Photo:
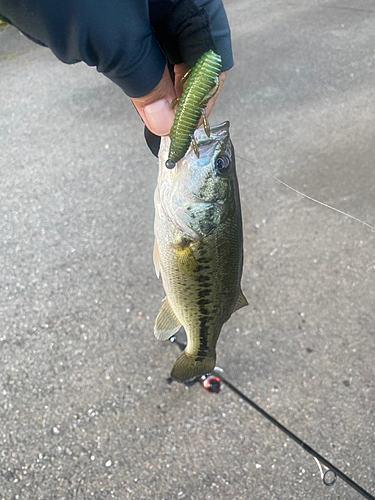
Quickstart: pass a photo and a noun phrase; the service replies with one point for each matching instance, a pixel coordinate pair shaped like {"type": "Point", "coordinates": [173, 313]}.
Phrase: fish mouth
{"type": "Point", "coordinates": [192, 206]}
{"type": "Point", "coordinates": [214, 144]}
{"type": "Point", "coordinates": [217, 133]}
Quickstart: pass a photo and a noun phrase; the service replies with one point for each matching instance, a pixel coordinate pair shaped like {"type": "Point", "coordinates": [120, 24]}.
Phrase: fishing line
{"type": "Point", "coordinates": [323, 204]}
{"type": "Point", "coordinates": [316, 201]}
{"type": "Point", "coordinates": [329, 468]}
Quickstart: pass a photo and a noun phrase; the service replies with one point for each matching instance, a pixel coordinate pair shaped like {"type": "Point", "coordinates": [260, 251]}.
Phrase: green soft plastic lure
{"type": "Point", "coordinates": [202, 84]}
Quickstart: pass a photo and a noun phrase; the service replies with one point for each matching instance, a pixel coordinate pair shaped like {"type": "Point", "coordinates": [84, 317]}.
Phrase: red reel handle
{"type": "Point", "coordinates": [211, 383]}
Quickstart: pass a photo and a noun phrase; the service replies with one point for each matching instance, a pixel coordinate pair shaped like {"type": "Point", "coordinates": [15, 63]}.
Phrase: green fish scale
{"type": "Point", "coordinates": [209, 295]}
{"type": "Point", "coordinates": [201, 80]}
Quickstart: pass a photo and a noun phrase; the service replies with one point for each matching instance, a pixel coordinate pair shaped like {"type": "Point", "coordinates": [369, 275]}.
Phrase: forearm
{"type": "Point", "coordinates": [115, 36]}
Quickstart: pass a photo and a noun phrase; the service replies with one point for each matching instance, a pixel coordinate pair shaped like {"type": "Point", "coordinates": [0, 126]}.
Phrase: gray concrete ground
{"type": "Point", "coordinates": [86, 412]}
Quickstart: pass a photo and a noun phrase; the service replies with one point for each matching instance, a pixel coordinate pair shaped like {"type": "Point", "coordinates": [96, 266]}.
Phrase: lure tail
{"type": "Point", "coordinates": [189, 366]}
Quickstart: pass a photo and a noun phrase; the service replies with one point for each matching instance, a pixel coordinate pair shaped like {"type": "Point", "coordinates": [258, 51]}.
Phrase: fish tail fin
{"type": "Point", "coordinates": [189, 366]}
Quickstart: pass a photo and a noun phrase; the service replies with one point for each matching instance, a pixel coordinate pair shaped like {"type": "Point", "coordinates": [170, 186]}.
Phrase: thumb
{"type": "Point", "coordinates": [155, 107]}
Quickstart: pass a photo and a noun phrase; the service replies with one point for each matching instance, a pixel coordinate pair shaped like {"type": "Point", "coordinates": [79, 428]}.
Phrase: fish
{"type": "Point", "coordinates": [198, 250]}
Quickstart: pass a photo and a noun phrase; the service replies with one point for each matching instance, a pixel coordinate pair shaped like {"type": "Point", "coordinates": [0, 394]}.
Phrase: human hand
{"type": "Point", "coordinates": [155, 107]}
{"type": "Point", "coordinates": [132, 42]}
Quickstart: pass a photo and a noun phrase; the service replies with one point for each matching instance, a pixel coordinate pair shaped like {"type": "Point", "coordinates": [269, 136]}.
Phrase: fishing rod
{"type": "Point", "coordinates": [212, 383]}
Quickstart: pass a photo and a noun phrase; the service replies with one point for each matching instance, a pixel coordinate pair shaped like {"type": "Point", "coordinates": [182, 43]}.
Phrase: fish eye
{"type": "Point", "coordinates": [221, 164]}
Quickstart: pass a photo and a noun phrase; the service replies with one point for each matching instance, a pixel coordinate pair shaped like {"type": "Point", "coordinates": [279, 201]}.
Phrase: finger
{"type": "Point", "coordinates": [190, 28]}
{"type": "Point", "coordinates": [155, 107]}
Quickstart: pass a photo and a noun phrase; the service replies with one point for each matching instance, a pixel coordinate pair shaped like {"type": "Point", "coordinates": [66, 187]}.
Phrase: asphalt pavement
{"type": "Point", "coordinates": [85, 408]}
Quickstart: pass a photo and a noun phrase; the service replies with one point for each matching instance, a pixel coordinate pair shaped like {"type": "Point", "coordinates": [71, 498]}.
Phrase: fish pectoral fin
{"type": "Point", "coordinates": [185, 259]}
{"type": "Point", "coordinates": [241, 302]}
{"type": "Point", "coordinates": [166, 324]}
{"type": "Point", "coordinates": [156, 258]}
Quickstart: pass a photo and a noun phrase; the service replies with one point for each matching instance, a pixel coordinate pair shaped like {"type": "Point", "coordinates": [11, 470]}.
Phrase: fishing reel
{"type": "Point", "coordinates": [210, 382]}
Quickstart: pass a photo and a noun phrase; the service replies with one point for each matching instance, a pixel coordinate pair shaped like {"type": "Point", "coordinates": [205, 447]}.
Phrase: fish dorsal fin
{"type": "Point", "coordinates": [241, 302]}
{"type": "Point", "coordinates": [156, 258]}
{"type": "Point", "coordinates": [166, 324]}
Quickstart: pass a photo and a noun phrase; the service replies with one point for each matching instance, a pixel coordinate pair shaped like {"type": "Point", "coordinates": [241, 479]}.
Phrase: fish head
{"type": "Point", "coordinates": [199, 193]}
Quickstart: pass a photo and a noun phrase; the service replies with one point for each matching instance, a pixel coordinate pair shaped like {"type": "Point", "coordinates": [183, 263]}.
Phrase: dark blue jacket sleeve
{"type": "Point", "coordinates": [220, 30]}
{"type": "Point", "coordinates": [115, 36]}
{"type": "Point", "coordinates": [119, 37]}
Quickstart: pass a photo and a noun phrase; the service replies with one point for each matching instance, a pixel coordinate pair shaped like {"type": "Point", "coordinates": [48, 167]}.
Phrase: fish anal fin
{"type": "Point", "coordinates": [166, 324]}
{"type": "Point", "coordinates": [241, 302]}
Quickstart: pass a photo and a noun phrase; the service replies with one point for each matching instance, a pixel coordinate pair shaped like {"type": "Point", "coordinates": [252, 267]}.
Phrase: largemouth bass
{"type": "Point", "coordinates": [198, 248]}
